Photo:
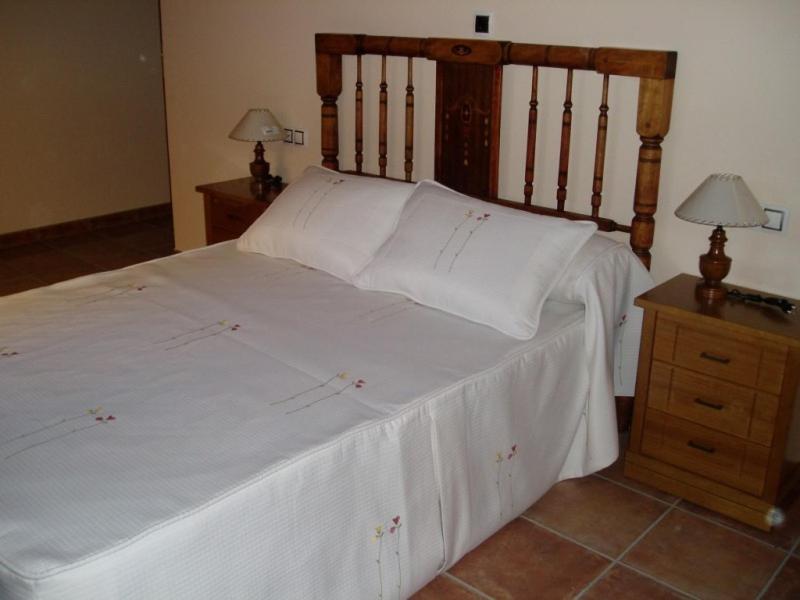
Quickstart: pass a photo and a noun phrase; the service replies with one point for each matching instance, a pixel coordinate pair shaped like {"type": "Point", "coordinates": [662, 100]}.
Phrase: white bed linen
{"type": "Point", "coordinates": [238, 464]}
{"type": "Point", "coordinates": [487, 263]}
{"type": "Point", "coordinates": [606, 285]}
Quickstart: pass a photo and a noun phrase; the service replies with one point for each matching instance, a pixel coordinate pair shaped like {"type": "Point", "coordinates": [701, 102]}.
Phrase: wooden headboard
{"type": "Point", "coordinates": [468, 97]}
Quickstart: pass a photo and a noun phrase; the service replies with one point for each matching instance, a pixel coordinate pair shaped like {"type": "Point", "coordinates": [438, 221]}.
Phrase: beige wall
{"type": "Point", "coordinates": [735, 103]}
{"type": "Point", "coordinates": [82, 129]}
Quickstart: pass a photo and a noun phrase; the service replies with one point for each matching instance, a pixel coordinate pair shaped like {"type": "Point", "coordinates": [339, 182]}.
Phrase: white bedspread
{"type": "Point", "coordinates": [222, 425]}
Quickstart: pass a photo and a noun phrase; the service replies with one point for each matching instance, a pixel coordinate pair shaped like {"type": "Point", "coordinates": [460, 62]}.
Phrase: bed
{"type": "Point", "coordinates": [225, 424]}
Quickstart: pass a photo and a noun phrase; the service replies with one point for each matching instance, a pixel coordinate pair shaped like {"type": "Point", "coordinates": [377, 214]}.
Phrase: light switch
{"type": "Point", "coordinates": [482, 23]}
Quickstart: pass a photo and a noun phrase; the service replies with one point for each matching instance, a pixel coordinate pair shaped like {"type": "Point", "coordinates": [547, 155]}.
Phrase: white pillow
{"type": "Point", "coordinates": [484, 262]}
{"type": "Point", "coordinates": [329, 220]}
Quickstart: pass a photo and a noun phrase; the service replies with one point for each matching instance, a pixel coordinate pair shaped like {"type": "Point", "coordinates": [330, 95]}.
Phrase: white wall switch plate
{"type": "Point", "coordinates": [299, 137]}
{"type": "Point", "coordinates": [482, 23]}
{"type": "Point", "coordinates": [288, 135]}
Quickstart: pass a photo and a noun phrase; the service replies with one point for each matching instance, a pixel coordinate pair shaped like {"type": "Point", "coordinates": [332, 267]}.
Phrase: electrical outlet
{"type": "Point", "coordinates": [299, 137]}
{"type": "Point", "coordinates": [288, 136]}
{"type": "Point", "coordinates": [778, 218]}
{"type": "Point", "coordinates": [482, 23]}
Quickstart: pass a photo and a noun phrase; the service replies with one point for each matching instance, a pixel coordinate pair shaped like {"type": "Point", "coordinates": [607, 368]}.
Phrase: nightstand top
{"type": "Point", "coordinates": [243, 190]}
{"type": "Point", "coordinates": [678, 296]}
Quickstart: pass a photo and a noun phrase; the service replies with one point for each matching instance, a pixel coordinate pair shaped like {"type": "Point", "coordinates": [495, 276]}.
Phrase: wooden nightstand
{"type": "Point", "coordinates": [713, 418]}
{"type": "Point", "coordinates": [232, 206]}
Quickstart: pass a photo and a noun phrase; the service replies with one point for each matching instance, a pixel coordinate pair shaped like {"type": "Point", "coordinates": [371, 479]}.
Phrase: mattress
{"type": "Point", "coordinates": [217, 424]}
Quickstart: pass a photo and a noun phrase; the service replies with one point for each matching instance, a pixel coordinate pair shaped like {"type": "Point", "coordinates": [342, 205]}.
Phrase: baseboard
{"type": "Point", "coordinates": [27, 236]}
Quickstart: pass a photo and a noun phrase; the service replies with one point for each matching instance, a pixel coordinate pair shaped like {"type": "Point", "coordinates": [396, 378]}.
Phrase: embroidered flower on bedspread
{"type": "Point", "coordinates": [386, 311]}
{"type": "Point", "coordinates": [197, 334]}
{"type": "Point", "coordinates": [113, 292]}
{"type": "Point", "coordinates": [356, 383]}
{"type": "Point", "coordinates": [394, 529]}
{"type": "Point", "coordinates": [499, 459]}
{"type": "Point", "coordinates": [379, 536]}
{"type": "Point", "coordinates": [92, 414]}
{"type": "Point", "coordinates": [510, 456]}
{"type": "Point", "coordinates": [6, 352]}
{"type": "Point", "coordinates": [620, 335]}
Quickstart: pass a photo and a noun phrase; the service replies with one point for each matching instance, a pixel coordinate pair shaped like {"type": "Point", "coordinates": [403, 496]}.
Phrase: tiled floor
{"type": "Point", "coordinates": [42, 263]}
{"type": "Point", "coordinates": [600, 537]}
{"type": "Point", "coordinates": [607, 537]}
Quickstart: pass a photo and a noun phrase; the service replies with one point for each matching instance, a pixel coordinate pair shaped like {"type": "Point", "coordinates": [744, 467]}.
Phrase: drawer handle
{"type": "Point", "coordinates": [708, 404]}
{"type": "Point", "coordinates": [720, 359]}
{"type": "Point", "coordinates": [702, 447]}
{"type": "Point", "coordinates": [233, 216]}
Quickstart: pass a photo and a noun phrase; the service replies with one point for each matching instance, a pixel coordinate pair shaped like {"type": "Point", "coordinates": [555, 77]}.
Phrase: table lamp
{"type": "Point", "coordinates": [722, 200]}
{"type": "Point", "coordinates": [258, 125]}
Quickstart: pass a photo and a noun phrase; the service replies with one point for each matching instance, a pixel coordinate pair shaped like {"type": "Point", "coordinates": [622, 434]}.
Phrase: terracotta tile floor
{"type": "Point", "coordinates": [607, 537]}
{"type": "Point", "coordinates": [42, 263]}
{"type": "Point", "coordinates": [600, 537]}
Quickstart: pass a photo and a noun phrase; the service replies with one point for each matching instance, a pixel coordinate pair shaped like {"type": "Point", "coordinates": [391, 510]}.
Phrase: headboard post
{"type": "Point", "coordinates": [652, 125]}
{"type": "Point", "coordinates": [329, 86]}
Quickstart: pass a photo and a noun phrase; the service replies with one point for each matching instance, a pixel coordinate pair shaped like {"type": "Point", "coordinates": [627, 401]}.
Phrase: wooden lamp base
{"type": "Point", "coordinates": [714, 266]}
{"type": "Point", "coordinates": [259, 168]}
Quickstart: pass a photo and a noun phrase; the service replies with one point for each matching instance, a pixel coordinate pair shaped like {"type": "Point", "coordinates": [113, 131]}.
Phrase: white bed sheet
{"type": "Point", "coordinates": [217, 424]}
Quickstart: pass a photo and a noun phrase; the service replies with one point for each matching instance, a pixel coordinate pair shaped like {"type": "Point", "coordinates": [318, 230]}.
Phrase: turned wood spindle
{"type": "Point", "coordinates": [645, 196]}
{"type": "Point", "coordinates": [329, 86]}
{"type": "Point", "coordinates": [563, 158]}
{"type": "Point", "coordinates": [409, 149]}
{"type": "Point", "coordinates": [383, 98]}
{"type": "Point", "coordinates": [530, 153]}
{"type": "Point", "coordinates": [600, 151]}
{"type": "Point", "coordinates": [359, 117]}
{"type": "Point", "coordinates": [652, 124]}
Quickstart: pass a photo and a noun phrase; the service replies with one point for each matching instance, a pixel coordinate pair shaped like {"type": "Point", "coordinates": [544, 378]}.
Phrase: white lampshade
{"type": "Point", "coordinates": [258, 125]}
{"type": "Point", "coordinates": [722, 199]}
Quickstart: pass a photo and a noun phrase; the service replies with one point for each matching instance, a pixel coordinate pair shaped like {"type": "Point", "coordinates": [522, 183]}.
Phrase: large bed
{"type": "Point", "coordinates": [225, 424]}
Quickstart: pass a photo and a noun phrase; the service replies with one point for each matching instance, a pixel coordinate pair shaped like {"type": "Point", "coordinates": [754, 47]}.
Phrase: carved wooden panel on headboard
{"type": "Point", "coordinates": [468, 124]}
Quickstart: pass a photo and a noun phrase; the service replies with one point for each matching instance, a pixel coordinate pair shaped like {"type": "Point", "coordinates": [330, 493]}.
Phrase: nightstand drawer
{"type": "Point", "coordinates": [234, 217]}
{"type": "Point", "coordinates": [745, 360]}
{"type": "Point", "coordinates": [714, 455]}
{"type": "Point", "coordinates": [230, 207]}
{"type": "Point", "coordinates": [726, 407]}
